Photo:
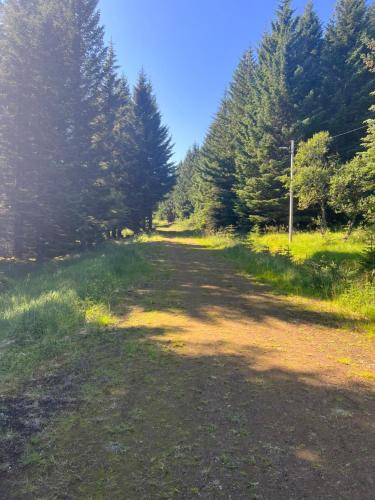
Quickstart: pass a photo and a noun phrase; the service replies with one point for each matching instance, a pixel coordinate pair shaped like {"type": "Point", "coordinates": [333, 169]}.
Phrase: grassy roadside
{"type": "Point", "coordinates": [60, 344]}
{"type": "Point", "coordinates": [43, 307]}
{"type": "Point", "coordinates": [324, 271]}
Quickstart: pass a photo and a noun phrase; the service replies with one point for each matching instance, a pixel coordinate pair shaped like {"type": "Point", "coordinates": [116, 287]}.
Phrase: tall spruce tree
{"type": "Point", "coordinates": [285, 105]}
{"type": "Point", "coordinates": [243, 94]}
{"type": "Point", "coordinates": [217, 169]}
{"type": "Point", "coordinates": [113, 101]}
{"type": "Point", "coordinates": [182, 194]}
{"type": "Point", "coordinates": [346, 82]}
{"type": "Point", "coordinates": [86, 55]}
{"type": "Point", "coordinates": [126, 178]}
{"type": "Point", "coordinates": [154, 148]}
{"type": "Point", "coordinates": [264, 193]}
{"type": "Point", "coordinates": [32, 107]}
{"type": "Point", "coordinates": [306, 77]}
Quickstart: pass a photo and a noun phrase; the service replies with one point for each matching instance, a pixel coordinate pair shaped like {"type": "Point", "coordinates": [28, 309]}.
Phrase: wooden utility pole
{"type": "Point", "coordinates": [291, 201]}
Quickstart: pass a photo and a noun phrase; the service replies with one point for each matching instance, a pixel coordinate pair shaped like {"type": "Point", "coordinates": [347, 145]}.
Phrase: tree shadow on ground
{"type": "Point", "coordinates": [198, 283]}
{"type": "Point", "coordinates": [186, 233]}
{"type": "Point", "coordinates": [164, 424]}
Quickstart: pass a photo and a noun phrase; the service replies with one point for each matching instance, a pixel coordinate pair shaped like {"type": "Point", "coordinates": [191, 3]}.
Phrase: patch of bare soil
{"type": "Point", "coordinates": [28, 413]}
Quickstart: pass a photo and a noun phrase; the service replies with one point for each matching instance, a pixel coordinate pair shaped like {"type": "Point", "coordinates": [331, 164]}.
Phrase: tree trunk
{"type": "Point", "coordinates": [150, 223]}
{"type": "Point", "coordinates": [18, 242]}
{"type": "Point", "coordinates": [350, 228]}
{"type": "Point", "coordinates": [40, 250]}
{"type": "Point", "coordinates": [324, 219]}
{"type": "Point", "coordinates": [119, 234]}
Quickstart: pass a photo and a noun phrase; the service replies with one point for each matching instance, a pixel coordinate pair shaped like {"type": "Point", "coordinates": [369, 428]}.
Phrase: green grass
{"type": "Point", "coordinates": [314, 266]}
{"type": "Point", "coordinates": [44, 307]}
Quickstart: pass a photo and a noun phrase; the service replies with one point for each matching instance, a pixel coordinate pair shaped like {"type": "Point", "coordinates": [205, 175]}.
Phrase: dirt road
{"type": "Point", "coordinates": [228, 392]}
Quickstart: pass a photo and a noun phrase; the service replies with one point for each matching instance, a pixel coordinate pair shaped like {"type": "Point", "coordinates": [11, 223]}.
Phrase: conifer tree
{"type": "Point", "coordinates": [263, 193]}
{"type": "Point", "coordinates": [346, 83]}
{"type": "Point", "coordinates": [243, 106]}
{"type": "Point", "coordinates": [126, 179]}
{"type": "Point", "coordinates": [241, 93]}
{"type": "Point", "coordinates": [217, 169]}
{"type": "Point", "coordinates": [285, 104]}
{"type": "Point", "coordinates": [306, 79]}
{"type": "Point", "coordinates": [182, 194]}
{"type": "Point", "coordinates": [155, 171]}
{"type": "Point", "coordinates": [32, 107]}
{"type": "Point", "coordinates": [87, 54]}
{"type": "Point", "coordinates": [113, 101]}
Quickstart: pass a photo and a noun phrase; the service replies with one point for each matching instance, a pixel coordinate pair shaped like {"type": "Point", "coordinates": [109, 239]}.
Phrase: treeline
{"type": "Point", "coordinates": [302, 80]}
{"type": "Point", "coordinates": [81, 157]}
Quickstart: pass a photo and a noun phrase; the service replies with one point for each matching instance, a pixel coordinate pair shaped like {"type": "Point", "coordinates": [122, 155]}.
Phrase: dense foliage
{"type": "Point", "coordinates": [302, 81]}
{"type": "Point", "coordinates": [80, 157]}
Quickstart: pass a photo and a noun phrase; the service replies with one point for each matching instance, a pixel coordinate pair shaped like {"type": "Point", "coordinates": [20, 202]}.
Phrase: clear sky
{"type": "Point", "coordinates": [189, 48]}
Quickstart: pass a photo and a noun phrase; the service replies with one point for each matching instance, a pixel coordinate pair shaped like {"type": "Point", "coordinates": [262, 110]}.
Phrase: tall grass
{"type": "Point", "coordinates": [323, 267]}
{"type": "Point", "coordinates": [43, 307]}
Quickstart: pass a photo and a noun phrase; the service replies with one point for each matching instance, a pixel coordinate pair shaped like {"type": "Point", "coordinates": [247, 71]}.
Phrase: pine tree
{"type": "Point", "coordinates": [306, 78]}
{"type": "Point", "coordinates": [243, 102]}
{"type": "Point", "coordinates": [32, 107]}
{"type": "Point", "coordinates": [264, 192]}
{"type": "Point", "coordinates": [182, 195]}
{"type": "Point", "coordinates": [86, 56]}
{"type": "Point", "coordinates": [113, 98]}
{"type": "Point", "coordinates": [217, 170]}
{"type": "Point", "coordinates": [241, 93]}
{"type": "Point", "coordinates": [155, 171]}
{"type": "Point", "coordinates": [126, 181]}
{"type": "Point", "coordinates": [285, 105]}
{"type": "Point", "coordinates": [346, 83]}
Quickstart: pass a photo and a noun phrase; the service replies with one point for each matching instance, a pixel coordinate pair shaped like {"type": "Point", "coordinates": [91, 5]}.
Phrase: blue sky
{"type": "Point", "coordinates": [189, 48]}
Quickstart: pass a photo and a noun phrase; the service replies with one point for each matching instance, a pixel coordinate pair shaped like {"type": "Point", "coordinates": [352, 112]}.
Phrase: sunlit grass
{"type": "Point", "coordinates": [324, 268]}
{"type": "Point", "coordinates": [45, 306]}
{"type": "Point", "coordinates": [307, 245]}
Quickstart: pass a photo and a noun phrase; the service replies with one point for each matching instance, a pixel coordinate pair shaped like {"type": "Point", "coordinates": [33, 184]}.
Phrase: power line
{"type": "Point", "coordinates": [349, 131]}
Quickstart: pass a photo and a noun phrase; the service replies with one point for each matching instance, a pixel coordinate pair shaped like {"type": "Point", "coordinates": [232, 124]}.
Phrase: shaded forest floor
{"type": "Point", "coordinates": [208, 386]}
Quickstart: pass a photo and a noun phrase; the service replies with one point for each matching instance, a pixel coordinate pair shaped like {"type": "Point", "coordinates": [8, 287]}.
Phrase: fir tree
{"type": "Point", "coordinates": [182, 195]}
{"type": "Point", "coordinates": [243, 103]}
{"type": "Point", "coordinates": [86, 56]}
{"type": "Point", "coordinates": [217, 170]}
{"type": "Point", "coordinates": [107, 143]}
{"type": "Point", "coordinates": [32, 107]}
{"type": "Point", "coordinates": [127, 179]}
{"type": "Point", "coordinates": [346, 83]}
{"type": "Point", "coordinates": [264, 193]}
{"type": "Point", "coordinates": [155, 173]}
{"type": "Point", "coordinates": [306, 80]}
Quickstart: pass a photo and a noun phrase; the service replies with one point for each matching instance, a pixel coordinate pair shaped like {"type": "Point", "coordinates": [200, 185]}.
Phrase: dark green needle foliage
{"type": "Point", "coordinates": [302, 80]}
{"type": "Point", "coordinates": [79, 158]}
{"type": "Point", "coordinates": [155, 173]}
{"type": "Point", "coordinates": [346, 82]}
